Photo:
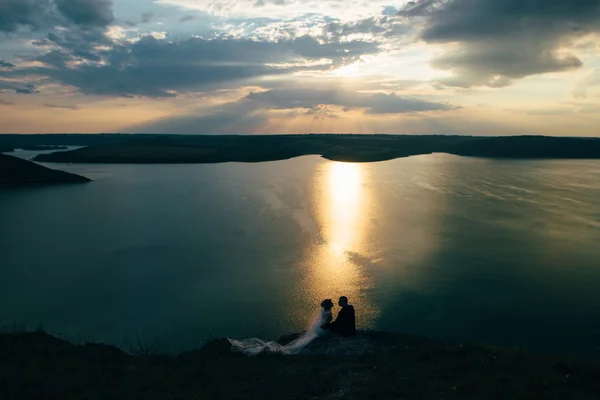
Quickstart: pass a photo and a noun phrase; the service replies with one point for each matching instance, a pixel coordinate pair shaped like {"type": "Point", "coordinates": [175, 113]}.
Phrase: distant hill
{"type": "Point", "coordinates": [530, 147]}
{"type": "Point", "coordinates": [255, 148]}
{"type": "Point", "coordinates": [22, 141]}
{"type": "Point", "coordinates": [5, 147]}
{"type": "Point", "coordinates": [16, 171]}
{"type": "Point", "coordinates": [351, 148]}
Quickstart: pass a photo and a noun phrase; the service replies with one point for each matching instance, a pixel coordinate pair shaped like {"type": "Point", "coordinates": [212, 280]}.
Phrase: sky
{"type": "Point", "coordinates": [474, 67]}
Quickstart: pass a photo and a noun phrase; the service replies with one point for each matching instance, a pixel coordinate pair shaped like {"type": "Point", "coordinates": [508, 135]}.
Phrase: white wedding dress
{"type": "Point", "coordinates": [254, 346]}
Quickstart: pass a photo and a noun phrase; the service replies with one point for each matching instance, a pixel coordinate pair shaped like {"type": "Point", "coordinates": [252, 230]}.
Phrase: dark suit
{"type": "Point", "coordinates": [345, 323]}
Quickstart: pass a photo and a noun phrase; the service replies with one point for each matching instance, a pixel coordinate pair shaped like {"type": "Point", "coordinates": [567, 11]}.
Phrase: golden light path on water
{"type": "Point", "coordinates": [341, 209]}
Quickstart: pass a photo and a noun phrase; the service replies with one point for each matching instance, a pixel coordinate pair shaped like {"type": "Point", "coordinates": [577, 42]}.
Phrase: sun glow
{"type": "Point", "coordinates": [335, 265]}
{"type": "Point", "coordinates": [344, 186]}
{"type": "Point", "coordinates": [347, 70]}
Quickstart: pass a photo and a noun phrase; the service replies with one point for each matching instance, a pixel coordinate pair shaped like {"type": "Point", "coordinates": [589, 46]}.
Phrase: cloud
{"type": "Point", "coordinates": [153, 67]}
{"type": "Point", "coordinates": [373, 103]}
{"type": "Point", "coordinates": [589, 109]}
{"type": "Point", "coordinates": [593, 78]}
{"type": "Point", "coordinates": [147, 17]}
{"type": "Point", "coordinates": [252, 113]}
{"type": "Point", "coordinates": [27, 89]}
{"type": "Point", "coordinates": [6, 65]}
{"type": "Point", "coordinates": [342, 9]}
{"type": "Point", "coordinates": [6, 102]}
{"type": "Point", "coordinates": [87, 12]}
{"type": "Point", "coordinates": [568, 108]}
{"type": "Point", "coordinates": [495, 42]}
{"type": "Point", "coordinates": [17, 86]}
{"type": "Point", "coordinates": [111, 61]}
{"type": "Point", "coordinates": [68, 107]}
{"type": "Point", "coordinates": [16, 13]}
{"type": "Point", "coordinates": [37, 14]}
{"type": "Point", "coordinates": [548, 111]}
{"type": "Point", "coordinates": [187, 18]}
{"type": "Point", "coordinates": [380, 26]}
{"type": "Point", "coordinates": [581, 88]}
{"type": "Point", "coordinates": [232, 118]}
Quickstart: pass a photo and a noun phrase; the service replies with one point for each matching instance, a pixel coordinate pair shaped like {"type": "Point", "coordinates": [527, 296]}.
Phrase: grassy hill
{"type": "Point", "coordinates": [374, 365]}
{"type": "Point", "coordinates": [16, 171]}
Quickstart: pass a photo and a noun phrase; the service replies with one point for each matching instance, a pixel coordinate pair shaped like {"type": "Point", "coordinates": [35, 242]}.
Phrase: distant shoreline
{"type": "Point", "coordinates": [178, 149]}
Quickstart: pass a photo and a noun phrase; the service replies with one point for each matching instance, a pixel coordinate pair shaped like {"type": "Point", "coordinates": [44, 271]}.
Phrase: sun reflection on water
{"type": "Point", "coordinates": [341, 210]}
{"type": "Point", "coordinates": [342, 207]}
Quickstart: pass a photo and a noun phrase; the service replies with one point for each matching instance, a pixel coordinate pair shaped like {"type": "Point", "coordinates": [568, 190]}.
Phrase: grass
{"type": "Point", "coordinates": [374, 365]}
{"type": "Point", "coordinates": [142, 346]}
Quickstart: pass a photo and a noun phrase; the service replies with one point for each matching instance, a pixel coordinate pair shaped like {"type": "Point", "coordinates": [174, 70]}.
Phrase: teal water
{"type": "Point", "coordinates": [467, 249]}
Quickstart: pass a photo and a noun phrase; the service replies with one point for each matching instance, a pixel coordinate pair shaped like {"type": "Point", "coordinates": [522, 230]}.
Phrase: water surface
{"type": "Point", "coordinates": [468, 249]}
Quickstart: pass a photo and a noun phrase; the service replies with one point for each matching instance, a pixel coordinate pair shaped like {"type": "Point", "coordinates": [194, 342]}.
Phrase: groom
{"type": "Point", "coordinates": [345, 323]}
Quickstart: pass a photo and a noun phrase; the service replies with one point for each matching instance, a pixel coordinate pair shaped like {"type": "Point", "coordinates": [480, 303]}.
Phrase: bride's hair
{"type": "Point", "coordinates": [327, 303]}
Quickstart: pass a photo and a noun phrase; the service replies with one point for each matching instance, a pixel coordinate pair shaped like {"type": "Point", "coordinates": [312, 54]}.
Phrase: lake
{"type": "Point", "coordinates": [505, 252]}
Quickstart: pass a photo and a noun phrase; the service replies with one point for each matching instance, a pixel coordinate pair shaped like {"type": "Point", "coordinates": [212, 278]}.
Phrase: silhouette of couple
{"type": "Point", "coordinates": [345, 323]}
{"type": "Point", "coordinates": [322, 323]}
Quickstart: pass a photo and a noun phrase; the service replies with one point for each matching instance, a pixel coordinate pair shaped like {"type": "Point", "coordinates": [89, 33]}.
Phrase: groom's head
{"type": "Point", "coordinates": [343, 302]}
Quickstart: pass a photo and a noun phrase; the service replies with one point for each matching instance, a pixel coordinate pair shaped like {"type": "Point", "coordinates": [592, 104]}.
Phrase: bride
{"type": "Point", "coordinates": [252, 347]}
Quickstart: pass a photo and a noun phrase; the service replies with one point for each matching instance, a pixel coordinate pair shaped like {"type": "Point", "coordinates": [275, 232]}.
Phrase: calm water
{"type": "Point", "coordinates": [503, 252]}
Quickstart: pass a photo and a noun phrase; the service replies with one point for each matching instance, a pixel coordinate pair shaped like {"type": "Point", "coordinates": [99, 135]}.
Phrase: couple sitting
{"type": "Point", "coordinates": [345, 323]}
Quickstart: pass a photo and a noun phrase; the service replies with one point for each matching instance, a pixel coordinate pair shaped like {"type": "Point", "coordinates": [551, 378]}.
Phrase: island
{"type": "Point", "coordinates": [168, 149]}
{"type": "Point", "coordinates": [372, 365]}
{"type": "Point", "coordinates": [16, 171]}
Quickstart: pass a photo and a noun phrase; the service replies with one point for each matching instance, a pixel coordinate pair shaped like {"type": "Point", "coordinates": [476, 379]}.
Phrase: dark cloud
{"type": "Point", "coordinates": [187, 18]}
{"type": "Point", "coordinates": [323, 111]}
{"type": "Point", "coordinates": [54, 58]}
{"type": "Point", "coordinates": [38, 14]}
{"type": "Point", "coordinates": [500, 41]}
{"type": "Point", "coordinates": [87, 12]}
{"type": "Point", "coordinates": [50, 105]}
{"type": "Point", "coordinates": [147, 17]}
{"type": "Point", "coordinates": [161, 68]}
{"type": "Point", "coordinates": [27, 89]}
{"type": "Point", "coordinates": [76, 44]}
{"type": "Point", "coordinates": [11, 86]}
{"type": "Point", "coordinates": [17, 13]}
{"type": "Point", "coordinates": [373, 103]}
{"type": "Point", "coordinates": [7, 65]}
